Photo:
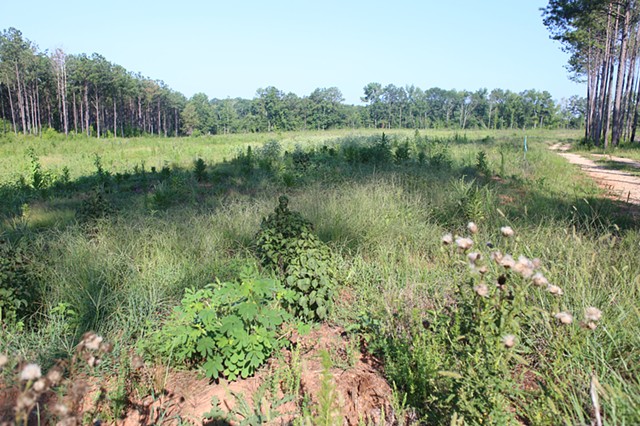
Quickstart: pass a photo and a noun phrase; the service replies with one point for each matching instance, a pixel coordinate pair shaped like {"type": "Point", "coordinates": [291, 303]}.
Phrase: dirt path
{"type": "Point", "coordinates": [620, 185]}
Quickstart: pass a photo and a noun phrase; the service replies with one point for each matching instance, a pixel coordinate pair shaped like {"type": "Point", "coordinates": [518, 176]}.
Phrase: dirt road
{"type": "Point", "coordinates": [620, 185]}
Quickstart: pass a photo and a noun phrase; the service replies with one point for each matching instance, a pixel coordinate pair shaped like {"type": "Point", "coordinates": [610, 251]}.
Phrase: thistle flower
{"type": "Point", "coordinates": [474, 257]}
{"type": "Point", "coordinates": [555, 290]}
{"type": "Point", "coordinates": [524, 267]}
{"type": "Point", "coordinates": [472, 227]}
{"type": "Point", "coordinates": [481, 290]}
{"type": "Point", "coordinates": [447, 239]}
{"type": "Point", "coordinates": [592, 314]}
{"type": "Point", "coordinates": [507, 231]}
{"type": "Point", "coordinates": [91, 341]}
{"type": "Point", "coordinates": [496, 256]}
{"type": "Point", "coordinates": [30, 372]}
{"type": "Point", "coordinates": [464, 244]}
{"type": "Point", "coordinates": [3, 360]}
{"type": "Point", "coordinates": [40, 385]}
{"type": "Point", "coordinates": [54, 376]}
{"type": "Point", "coordinates": [507, 261]}
{"type": "Point", "coordinates": [536, 263]}
{"type": "Point", "coordinates": [564, 317]}
{"type": "Point", "coordinates": [591, 325]}
{"type": "Point", "coordinates": [539, 280]}
{"type": "Point", "coordinates": [509, 340]}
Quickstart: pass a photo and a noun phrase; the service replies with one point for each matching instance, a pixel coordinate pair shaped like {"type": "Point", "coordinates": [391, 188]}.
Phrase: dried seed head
{"type": "Point", "coordinates": [524, 267]}
{"type": "Point", "coordinates": [472, 227]}
{"type": "Point", "coordinates": [91, 341]}
{"type": "Point", "coordinates": [481, 290]}
{"type": "Point", "coordinates": [507, 231]}
{"type": "Point", "coordinates": [61, 410]}
{"type": "Point", "coordinates": [137, 362]}
{"type": "Point", "coordinates": [40, 385]}
{"type": "Point", "coordinates": [54, 376]}
{"type": "Point", "coordinates": [30, 372]}
{"type": "Point", "coordinates": [464, 244]}
{"type": "Point", "coordinates": [555, 290]}
{"type": "Point", "coordinates": [496, 256]}
{"type": "Point", "coordinates": [592, 314]}
{"type": "Point", "coordinates": [536, 263]}
{"type": "Point", "coordinates": [509, 340]}
{"type": "Point", "coordinates": [474, 257]}
{"type": "Point", "coordinates": [539, 280]}
{"type": "Point", "coordinates": [25, 401]}
{"type": "Point", "coordinates": [483, 269]}
{"type": "Point", "coordinates": [507, 261]}
{"type": "Point", "coordinates": [3, 360]}
{"type": "Point", "coordinates": [591, 325]}
{"type": "Point", "coordinates": [447, 239]}
{"type": "Point", "coordinates": [564, 317]}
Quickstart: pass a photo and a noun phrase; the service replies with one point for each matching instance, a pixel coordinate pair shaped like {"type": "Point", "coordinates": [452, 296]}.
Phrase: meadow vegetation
{"type": "Point", "coordinates": [495, 286]}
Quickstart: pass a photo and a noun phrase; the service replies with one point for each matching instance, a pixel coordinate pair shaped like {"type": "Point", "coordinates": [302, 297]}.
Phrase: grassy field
{"type": "Point", "coordinates": [111, 243]}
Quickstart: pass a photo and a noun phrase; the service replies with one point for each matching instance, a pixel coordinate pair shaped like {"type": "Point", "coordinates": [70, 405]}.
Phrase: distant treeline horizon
{"type": "Point", "coordinates": [87, 94]}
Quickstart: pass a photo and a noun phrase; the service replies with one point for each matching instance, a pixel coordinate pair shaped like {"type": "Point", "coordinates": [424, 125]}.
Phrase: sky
{"type": "Point", "coordinates": [232, 48]}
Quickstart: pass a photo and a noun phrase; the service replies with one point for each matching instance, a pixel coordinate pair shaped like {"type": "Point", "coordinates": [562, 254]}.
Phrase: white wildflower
{"type": "Point", "coordinates": [30, 372]}
{"type": "Point", "coordinates": [507, 231]}
{"type": "Point", "coordinates": [509, 340]}
{"type": "Point", "coordinates": [524, 267]}
{"type": "Point", "coordinates": [592, 314]}
{"type": "Point", "coordinates": [447, 239]}
{"type": "Point", "coordinates": [564, 317]}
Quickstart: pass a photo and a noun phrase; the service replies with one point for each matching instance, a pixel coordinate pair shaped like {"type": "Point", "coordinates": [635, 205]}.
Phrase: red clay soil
{"type": "Point", "coordinates": [360, 394]}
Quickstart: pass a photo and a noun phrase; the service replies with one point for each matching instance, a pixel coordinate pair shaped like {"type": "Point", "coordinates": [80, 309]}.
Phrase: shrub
{"type": "Point", "coordinates": [286, 243]}
{"type": "Point", "coordinates": [200, 170]}
{"type": "Point", "coordinates": [16, 291]}
{"type": "Point", "coordinates": [230, 329]}
{"type": "Point", "coordinates": [95, 206]}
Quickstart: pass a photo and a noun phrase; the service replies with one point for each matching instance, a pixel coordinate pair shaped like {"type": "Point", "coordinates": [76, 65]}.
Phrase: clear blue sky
{"type": "Point", "coordinates": [231, 48]}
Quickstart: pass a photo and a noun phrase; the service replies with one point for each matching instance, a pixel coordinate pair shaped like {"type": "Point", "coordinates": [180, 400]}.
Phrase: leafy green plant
{"type": "Point", "coordinates": [230, 328]}
{"type": "Point", "coordinates": [200, 170]}
{"type": "Point", "coordinates": [266, 407]}
{"type": "Point", "coordinates": [95, 206]}
{"type": "Point", "coordinates": [481, 163]}
{"type": "Point", "coordinates": [16, 290]}
{"type": "Point", "coordinates": [286, 243]}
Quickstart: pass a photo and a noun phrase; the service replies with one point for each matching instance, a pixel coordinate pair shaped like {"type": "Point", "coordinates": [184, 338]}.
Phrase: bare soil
{"type": "Point", "coordinates": [358, 393]}
{"type": "Point", "coordinates": [620, 185]}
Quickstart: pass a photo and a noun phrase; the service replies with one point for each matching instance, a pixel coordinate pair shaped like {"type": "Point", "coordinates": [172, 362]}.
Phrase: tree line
{"type": "Point", "coordinates": [87, 94]}
{"type": "Point", "coordinates": [603, 37]}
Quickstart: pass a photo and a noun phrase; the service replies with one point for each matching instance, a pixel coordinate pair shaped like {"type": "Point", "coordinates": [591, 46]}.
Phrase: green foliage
{"type": "Point", "coordinates": [286, 243]}
{"type": "Point", "coordinates": [17, 293]}
{"type": "Point", "coordinates": [174, 190]}
{"type": "Point", "coordinates": [481, 163]}
{"type": "Point", "coordinates": [265, 408]}
{"type": "Point", "coordinates": [40, 179]}
{"type": "Point", "coordinates": [95, 206]}
{"type": "Point", "coordinates": [230, 328]}
{"type": "Point", "coordinates": [200, 170]}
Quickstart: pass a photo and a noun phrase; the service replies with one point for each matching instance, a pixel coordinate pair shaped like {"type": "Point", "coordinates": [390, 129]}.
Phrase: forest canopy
{"type": "Point", "coordinates": [87, 94]}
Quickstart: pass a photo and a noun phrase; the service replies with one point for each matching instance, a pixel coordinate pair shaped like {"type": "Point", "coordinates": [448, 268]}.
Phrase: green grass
{"type": "Point", "coordinates": [123, 273]}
